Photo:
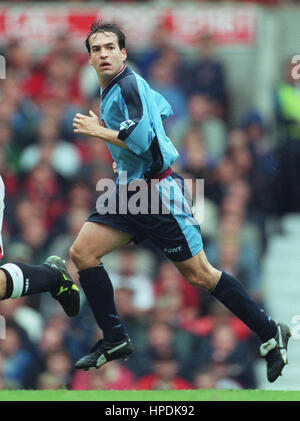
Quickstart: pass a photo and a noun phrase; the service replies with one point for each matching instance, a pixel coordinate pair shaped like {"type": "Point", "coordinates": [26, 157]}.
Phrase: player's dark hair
{"type": "Point", "coordinates": [98, 26]}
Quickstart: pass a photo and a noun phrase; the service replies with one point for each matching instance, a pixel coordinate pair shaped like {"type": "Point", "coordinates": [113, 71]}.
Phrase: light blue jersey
{"type": "Point", "coordinates": [131, 107]}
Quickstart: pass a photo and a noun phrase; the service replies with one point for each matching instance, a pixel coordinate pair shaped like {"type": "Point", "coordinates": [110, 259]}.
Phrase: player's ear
{"type": "Point", "coordinates": [90, 60]}
{"type": "Point", "coordinates": [124, 54]}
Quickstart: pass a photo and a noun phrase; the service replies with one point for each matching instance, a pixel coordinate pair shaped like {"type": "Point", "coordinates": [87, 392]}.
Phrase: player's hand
{"type": "Point", "coordinates": [86, 125]}
{"type": "Point", "coordinates": [115, 168]}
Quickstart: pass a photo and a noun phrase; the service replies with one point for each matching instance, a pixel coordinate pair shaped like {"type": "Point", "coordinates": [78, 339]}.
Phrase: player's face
{"type": "Point", "coordinates": [106, 56]}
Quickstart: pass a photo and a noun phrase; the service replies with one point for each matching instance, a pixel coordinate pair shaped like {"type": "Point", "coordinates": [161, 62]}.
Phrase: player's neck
{"type": "Point", "coordinates": [106, 81]}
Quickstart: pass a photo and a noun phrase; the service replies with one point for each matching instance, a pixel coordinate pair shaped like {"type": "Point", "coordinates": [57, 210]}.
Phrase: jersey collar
{"type": "Point", "coordinates": [115, 79]}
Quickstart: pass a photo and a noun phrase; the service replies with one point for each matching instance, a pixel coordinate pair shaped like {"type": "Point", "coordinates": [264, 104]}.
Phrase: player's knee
{"type": "Point", "coordinates": [75, 255]}
{"type": "Point", "coordinates": [83, 258]}
{"type": "Point", "coordinates": [204, 277]}
{"type": "Point", "coordinates": [78, 257]}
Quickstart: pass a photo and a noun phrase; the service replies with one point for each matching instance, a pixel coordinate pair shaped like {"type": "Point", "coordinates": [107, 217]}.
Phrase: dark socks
{"type": "Point", "coordinates": [99, 292]}
{"type": "Point", "coordinates": [230, 292]}
{"type": "Point", "coordinates": [24, 279]}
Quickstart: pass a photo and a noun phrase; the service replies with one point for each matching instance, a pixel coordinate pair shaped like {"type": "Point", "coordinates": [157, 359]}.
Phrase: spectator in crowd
{"type": "Point", "coordinates": [57, 78]}
{"type": "Point", "coordinates": [58, 346]}
{"type": "Point", "coordinates": [141, 285]}
{"type": "Point", "coordinates": [17, 359]}
{"type": "Point", "coordinates": [24, 315]}
{"type": "Point", "coordinates": [90, 149]}
{"type": "Point", "coordinates": [19, 58]}
{"type": "Point", "coordinates": [79, 195]}
{"type": "Point", "coordinates": [163, 377]}
{"type": "Point", "coordinates": [287, 106]}
{"type": "Point", "coordinates": [170, 282]}
{"type": "Point", "coordinates": [9, 150]}
{"type": "Point", "coordinates": [162, 78]}
{"type": "Point", "coordinates": [114, 376]}
{"type": "Point", "coordinates": [206, 76]}
{"type": "Point", "coordinates": [199, 181]}
{"type": "Point", "coordinates": [59, 366]}
{"type": "Point", "coordinates": [160, 42]}
{"type": "Point", "coordinates": [48, 381]}
{"type": "Point", "coordinates": [74, 220]}
{"type": "Point", "coordinates": [195, 158]}
{"type": "Point", "coordinates": [232, 356]}
{"type": "Point", "coordinates": [34, 235]}
{"type": "Point", "coordinates": [215, 376]}
{"type": "Point", "coordinates": [18, 110]}
{"type": "Point", "coordinates": [62, 156]}
{"type": "Point", "coordinates": [200, 118]}
{"type": "Point", "coordinates": [235, 251]}
{"type": "Point", "coordinates": [163, 341]}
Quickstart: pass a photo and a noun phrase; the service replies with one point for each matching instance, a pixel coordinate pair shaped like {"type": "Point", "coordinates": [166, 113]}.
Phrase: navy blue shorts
{"type": "Point", "coordinates": [163, 217]}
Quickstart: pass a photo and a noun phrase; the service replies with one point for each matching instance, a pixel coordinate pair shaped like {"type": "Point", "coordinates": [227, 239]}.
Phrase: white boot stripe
{"type": "Point", "coordinates": [109, 351]}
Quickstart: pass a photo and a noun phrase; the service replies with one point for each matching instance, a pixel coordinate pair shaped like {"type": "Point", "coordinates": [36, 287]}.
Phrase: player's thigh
{"type": "Point", "coordinates": [198, 271]}
{"type": "Point", "coordinates": [94, 241]}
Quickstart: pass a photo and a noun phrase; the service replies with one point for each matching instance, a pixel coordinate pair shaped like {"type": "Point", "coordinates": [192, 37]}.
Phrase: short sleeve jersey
{"type": "Point", "coordinates": [131, 107]}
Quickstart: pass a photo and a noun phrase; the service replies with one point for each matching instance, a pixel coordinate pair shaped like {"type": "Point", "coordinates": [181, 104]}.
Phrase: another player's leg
{"type": "Point", "coordinates": [20, 279]}
{"type": "Point", "coordinates": [94, 241]}
{"type": "Point", "coordinates": [229, 291]}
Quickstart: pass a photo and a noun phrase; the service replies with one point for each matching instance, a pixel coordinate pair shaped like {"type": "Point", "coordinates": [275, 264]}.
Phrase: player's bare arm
{"type": "Point", "coordinates": [90, 126]}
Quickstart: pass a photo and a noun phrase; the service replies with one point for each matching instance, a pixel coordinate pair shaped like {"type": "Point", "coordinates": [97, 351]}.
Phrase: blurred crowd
{"type": "Point", "coordinates": [183, 338]}
{"type": "Point", "coordinates": [260, 2]}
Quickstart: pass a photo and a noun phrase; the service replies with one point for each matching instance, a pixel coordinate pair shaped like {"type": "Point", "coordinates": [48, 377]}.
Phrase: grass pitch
{"type": "Point", "coordinates": [161, 395]}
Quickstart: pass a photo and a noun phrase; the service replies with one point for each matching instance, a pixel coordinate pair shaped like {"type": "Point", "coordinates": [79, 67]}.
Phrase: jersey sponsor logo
{"type": "Point", "coordinates": [126, 124]}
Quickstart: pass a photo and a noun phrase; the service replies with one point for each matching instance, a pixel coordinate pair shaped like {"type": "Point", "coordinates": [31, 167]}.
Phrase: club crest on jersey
{"type": "Point", "coordinates": [126, 124]}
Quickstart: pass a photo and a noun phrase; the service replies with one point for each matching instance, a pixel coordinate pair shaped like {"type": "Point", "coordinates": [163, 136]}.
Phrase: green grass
{"type": "Point", "coordinates": [166, 395]}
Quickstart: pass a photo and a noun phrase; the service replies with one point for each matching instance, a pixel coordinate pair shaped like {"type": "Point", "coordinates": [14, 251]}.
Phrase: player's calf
{"type": "Point", "coordinates": [25, 279]}
{"type": "Point", "coordinates": [231, 292]}
{"type": "Point", "coordinates": [19, 279]}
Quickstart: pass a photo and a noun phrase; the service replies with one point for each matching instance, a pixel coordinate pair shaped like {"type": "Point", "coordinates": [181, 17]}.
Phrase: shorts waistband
{"type": "Point", "coordinates": [161, 175]}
